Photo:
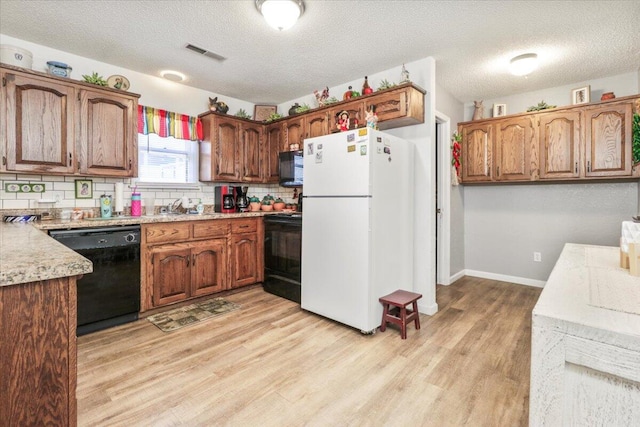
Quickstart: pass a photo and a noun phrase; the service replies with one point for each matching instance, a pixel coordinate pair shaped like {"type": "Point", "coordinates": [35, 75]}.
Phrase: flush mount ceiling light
{"type": "Point", "coordinates": [523, 65]}
{"type": "Point", "coordinates": [174, 76]}
{"type": "Point", "coordinates": [280, 14]}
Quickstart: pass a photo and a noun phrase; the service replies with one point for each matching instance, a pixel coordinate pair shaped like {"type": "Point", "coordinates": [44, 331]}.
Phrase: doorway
{"type": "Point", "coordinates": [443, 199]}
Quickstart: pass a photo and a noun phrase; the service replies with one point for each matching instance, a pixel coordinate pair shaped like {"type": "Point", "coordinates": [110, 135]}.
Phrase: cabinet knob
{"type": "Point", "coordinates": [589, 166]}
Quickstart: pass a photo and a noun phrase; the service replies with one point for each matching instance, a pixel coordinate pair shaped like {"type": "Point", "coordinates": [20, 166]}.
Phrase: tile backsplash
{"type": "Point", "coordinates": [59, 193]}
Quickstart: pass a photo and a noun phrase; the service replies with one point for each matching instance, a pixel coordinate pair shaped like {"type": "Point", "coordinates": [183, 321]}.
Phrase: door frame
{"type": "Point", "coordinates": [443, 219]}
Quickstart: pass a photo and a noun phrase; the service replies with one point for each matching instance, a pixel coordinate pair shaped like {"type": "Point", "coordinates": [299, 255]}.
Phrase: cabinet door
{"type": "Point", "coordinates": [514, 144]}
{"type": "Point", "coordinates": [477, 145]}
{"type": "Point", "coordinates": [251, 156]}
{"type": "Point", "coordinates": [316, 124]}
{"type": "Point", "coordinates": [244, 259]}
{"type": "Point", "coordinates": [390, 106]}
{"type": "Point", "coordinates": [608, 140]}
{"type": "Point", "coordinates": [226, 149]}
{"type": "Point", "coordinates": [108, 135]}
{"type": "Point", "coordinates": [274, 144]}
{"type": "Point", "coordinates": [559, 139]}
{"type": "Point", "coordinates": [40, 125]}
{"type": "Point", "coordinates": [294, 132]}
{"type": "Point", "coordinates": [171, 273]}
{"type": "Point", "coordinates": [208, 267]}
{"type": "Point", "coordinates": [356, 115]}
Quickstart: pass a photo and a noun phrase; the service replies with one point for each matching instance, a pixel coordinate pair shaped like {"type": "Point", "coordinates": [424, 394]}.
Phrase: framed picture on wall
{"type": "Point", "coordinates": [84, 189]}
{"type": "Point", "coordinates": [262, 112]}
{"type": "Point", "coordinates": [499, 110]}
{"type": "Point", "coordinates": [582, 95]}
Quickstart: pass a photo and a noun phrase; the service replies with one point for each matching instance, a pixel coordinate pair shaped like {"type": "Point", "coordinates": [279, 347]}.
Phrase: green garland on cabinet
{"type": "Point", "coordinates": [636, 138]}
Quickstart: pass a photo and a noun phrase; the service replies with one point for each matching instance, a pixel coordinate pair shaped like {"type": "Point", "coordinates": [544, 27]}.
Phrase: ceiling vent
{"type": "Point", "coordinates": [205, 52]}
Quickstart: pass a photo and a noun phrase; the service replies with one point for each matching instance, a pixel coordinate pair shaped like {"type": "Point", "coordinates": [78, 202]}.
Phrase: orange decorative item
{"type": "Point", "coordinates": [347, 94]}
{"type": "Point", "coordinates": [607, 95]}
{"type": "Point", "coordinates": [366, 89]}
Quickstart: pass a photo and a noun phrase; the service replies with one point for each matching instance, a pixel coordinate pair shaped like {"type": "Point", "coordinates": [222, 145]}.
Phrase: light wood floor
{"type": "Point", "coordinates": [272, 364]}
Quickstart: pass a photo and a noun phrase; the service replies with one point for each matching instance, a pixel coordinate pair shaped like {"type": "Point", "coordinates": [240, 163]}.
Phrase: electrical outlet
{"type": "Point", "coordinates": [537, 257]}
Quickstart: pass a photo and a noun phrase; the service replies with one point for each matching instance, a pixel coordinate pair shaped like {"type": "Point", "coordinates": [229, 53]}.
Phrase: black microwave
{"type": "Point", "coordinates": [290, 167]}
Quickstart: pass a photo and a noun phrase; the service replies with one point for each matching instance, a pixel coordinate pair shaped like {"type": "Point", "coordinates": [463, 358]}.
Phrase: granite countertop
{"type": "Point", "coordinates": [588, 295]}
{"type": "Point", "coordinates": [28, 255]}
{"type": "Point", "coordinates": [58, 224]}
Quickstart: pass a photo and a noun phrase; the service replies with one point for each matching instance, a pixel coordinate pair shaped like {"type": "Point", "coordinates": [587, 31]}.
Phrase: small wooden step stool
{"type": "Point", "coordinates": [400, 300]}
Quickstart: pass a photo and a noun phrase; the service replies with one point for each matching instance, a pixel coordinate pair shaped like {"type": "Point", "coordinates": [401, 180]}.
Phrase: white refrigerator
{"type": "Point", "coordinates": [357, 224]}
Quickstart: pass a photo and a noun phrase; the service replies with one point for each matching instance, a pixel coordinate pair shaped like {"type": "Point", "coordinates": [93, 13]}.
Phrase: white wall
{"type": "Point", "coordinates": [622, 85]}
{"type": "Point", "coordinates": [450, 106]}
{"type": "Point", "coordinates": [504, 224]}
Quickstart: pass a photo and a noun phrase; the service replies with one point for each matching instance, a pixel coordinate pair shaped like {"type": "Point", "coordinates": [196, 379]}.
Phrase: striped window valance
{"type": "Point", "coordinates": [166, 123]}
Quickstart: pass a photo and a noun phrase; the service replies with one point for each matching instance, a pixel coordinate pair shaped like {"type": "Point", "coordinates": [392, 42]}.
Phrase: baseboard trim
{"type": "Point", "coordinates": [505, 278]}
{"type": "Point", "coordinates": [460, 274]}
{"type": "Point", "coordinates": [429, 309]}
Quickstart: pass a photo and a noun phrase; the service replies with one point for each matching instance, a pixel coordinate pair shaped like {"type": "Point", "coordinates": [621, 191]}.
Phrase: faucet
{"type": "Point", "coordinates": [173, 206]}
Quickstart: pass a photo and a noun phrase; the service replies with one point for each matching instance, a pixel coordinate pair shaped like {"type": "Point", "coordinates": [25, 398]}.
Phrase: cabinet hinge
{"type": "Point", "coordinates": [78, 96]}
{"type": "Point", "coordinates": [4, 82]}
{"type": "Point", "coordinates": [4, 160]}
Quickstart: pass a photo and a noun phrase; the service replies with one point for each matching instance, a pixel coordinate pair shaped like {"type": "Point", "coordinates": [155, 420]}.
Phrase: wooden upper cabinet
{"type": "Point", "coordinates": [356, 115]}
{"type": "Point", "coordinates": [477, 146]}
{"type": "Point", "coordinates": [400, 106]}
{"type": "Point", "coordinates": [220, 148]}
{"type": "Point", "coordinates": [316, 124]}
{"type": "Point", "coordinates": [251, 158]}
{"type": "Point", "coordinates": [608, 141]}
{"type": "Point", "coordinates": [559, 144]}
{"type": "Point", "coordinates": [40, 125]}
{"type": "Point", "coordinates": [274, 144]}
{"type": "Point", "coordinates": [294, 132]}
{"type": "Point", "coordinates": [109, 140]}
{"type": "Point", "coordinates": [514, 142]}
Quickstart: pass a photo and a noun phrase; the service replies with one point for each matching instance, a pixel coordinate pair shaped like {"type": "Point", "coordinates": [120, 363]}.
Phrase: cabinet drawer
{"type": "Point", "coordinates": [214, 228]}
{"type": "Point", "coordinates": [244, 226]}
{"type": "Point", "coordinates": [167, 232]}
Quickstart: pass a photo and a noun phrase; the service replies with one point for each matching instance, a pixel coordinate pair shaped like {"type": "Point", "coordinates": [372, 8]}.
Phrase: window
{"type": "Point", "coordinates": [167, 159]}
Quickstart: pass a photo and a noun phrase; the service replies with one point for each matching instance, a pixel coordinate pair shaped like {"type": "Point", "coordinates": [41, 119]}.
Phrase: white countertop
{"type": "Point", "coordinates": [565, 304]}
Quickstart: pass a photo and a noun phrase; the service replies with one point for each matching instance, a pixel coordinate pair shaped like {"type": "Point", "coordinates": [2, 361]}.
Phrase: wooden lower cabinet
{"type": "Point", "coordinates": [184, 260]}
{"type": "Point", "coordinates": [38, 353]}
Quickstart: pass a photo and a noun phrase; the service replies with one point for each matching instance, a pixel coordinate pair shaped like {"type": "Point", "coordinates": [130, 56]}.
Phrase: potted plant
{"type": "Point", "coordinates": [278, 205]}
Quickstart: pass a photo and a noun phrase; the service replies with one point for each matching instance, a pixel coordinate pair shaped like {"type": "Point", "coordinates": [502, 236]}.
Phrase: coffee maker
{"type": "Point", "coordinates": [242, 201]}
{"type": "Point", "coordinates": [224, 199]}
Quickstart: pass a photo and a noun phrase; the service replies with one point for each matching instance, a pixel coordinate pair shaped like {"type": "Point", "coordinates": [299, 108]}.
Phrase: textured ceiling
{"type": "Point", "coordinates": [338, 41]}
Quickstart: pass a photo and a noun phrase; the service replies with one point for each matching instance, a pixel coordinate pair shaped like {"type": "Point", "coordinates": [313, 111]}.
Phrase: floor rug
{"type": "Point", "coordinates": [191, 314]}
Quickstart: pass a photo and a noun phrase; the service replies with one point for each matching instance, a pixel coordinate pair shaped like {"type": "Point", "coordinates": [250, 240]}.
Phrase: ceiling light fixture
{"type": "Point", "coordinates": [523, 65]}
{"type": "Point", "coordinates": [280, 14]}
{"type": "Point", "coordinates": [174, 76]}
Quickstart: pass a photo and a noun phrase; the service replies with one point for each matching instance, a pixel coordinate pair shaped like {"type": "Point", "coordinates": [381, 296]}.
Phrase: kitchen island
{"type": "Point", "coordinates": [37, 327]}
{"type": "Point", "coordinates": [585, 353]}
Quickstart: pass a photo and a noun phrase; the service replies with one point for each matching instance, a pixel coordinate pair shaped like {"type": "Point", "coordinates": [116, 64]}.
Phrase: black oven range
{"type": "Point", "coordinates": [282, 255]}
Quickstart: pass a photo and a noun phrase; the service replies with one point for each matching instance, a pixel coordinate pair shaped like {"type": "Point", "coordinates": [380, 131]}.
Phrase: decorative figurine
{"type": "Point", "coordinates": [366, 89]}
{"type": "Point", "coordinates": [292, 110]}
{"type": "Point", "coordinates": [322, 99]}
{"type": "Point", "coordinates": [347, 94]}
{"type": "Point", "coordinates": [478, 113]}
{"type": "Point", "coordinates": [404, 75]}
{"type": "Point", "coordinates": [218, 106]}
{"type": "Point", "coordinates": [372, 118]}
{"type": "Point", "coordinates": [343, 121]}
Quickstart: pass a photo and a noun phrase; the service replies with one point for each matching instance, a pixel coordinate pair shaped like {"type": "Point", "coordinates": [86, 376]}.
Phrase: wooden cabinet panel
{"type": "Point", "coordinates": [477, 146]}
{"type": "Point", "coordinates": [167, 232]}
{"type": "Point", "coordinates": [244, 252]}
{"type": "Point", "coordinates": [226, 145]}
{"type": "Point", "coordinates": [251, 159]}
{"type": "Point", "coordinates": [392, 105]}
{"type": "Point", "coordinates": [40, 125]}
{"type": "Point", "coordinates": [208, 267]}
{"type": "Point", "coordinates": [356, 115]}
{"type": "Point", "coordinates": [171, 273]}
{"type": "Point", "coordinates": [274, 144]}
{"type": "Point", "coordinates": [249, 225]}
{"type": "Point", "coordinates": [209, 229]}
{"type": "Point", "coordinates": [316, 124]}
{"type": "Point", "coordinates": [38, 353]}
{"type": "Point", "coordinates": [559, 144]}
{"type": "Point", "coordinates": [514, 144]}
{"type": "Point", "coordinates": [294, 132]}
{"type": "Point", "coordinates": [608, 141]}
{"type": "Point", "coordinates": [106, 125]}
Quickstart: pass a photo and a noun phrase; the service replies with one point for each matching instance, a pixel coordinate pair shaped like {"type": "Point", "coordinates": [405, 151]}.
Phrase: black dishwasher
{"type": "Point", "coordinates": [110, 295]}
